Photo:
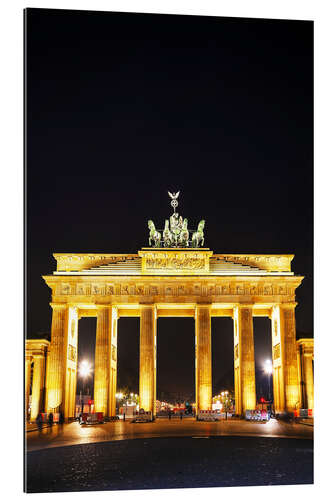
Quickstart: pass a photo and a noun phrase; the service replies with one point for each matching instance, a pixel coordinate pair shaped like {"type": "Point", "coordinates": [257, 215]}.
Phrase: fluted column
{"type": "Point", "coordinates": [147, 383]}
{"type": "Point", "coordinates": [27, 382]}
{"type": "Point", "coordinates": [308, 380]}
{"type": "Point", "coordinates": [285, 370]}
{"type": "Point", "coordinates": [244, 364]}
{"type": "Point", "coordinates": [113, 361]}
{"type": "Point", "coordinates": [203, 357]}
{"type": "Point", "coordinates": [56, 358]}
{"type": "Point", "coordinates": [37, 385]}
{"type": "Point", "coordinates": [102, 357]}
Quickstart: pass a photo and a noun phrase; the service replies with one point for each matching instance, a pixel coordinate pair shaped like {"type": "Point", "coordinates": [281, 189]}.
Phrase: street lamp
{"type": "Point", "coordinates": [268, 369]}
{"type": "Point", "coordinates": [84, 372]}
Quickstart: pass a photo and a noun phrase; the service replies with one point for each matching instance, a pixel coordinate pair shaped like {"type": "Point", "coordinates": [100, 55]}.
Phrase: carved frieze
{"type": "Point", "coordinates": [109, 290]}
{"type": "Point", "coordinates": [97, 289]}
{"type": "Point", "coordinates": [236, 352]}
{"type": "Point", "coordinates": [71, 353]}
{"type": "Point", "coordinates": [175, 261]}
{"type": "Point", "coordinates": [73, 328]}
{"type": "Point", "coordinates": [276, 352]}
{"type": "Point", "coordinates": [80, 290]}
{"type": "Point", "coordinates": [65, 289]}
{"type": "Point", "coordinates": [275, 328]}
{"type": "Point", "coordinates": [181, 289]}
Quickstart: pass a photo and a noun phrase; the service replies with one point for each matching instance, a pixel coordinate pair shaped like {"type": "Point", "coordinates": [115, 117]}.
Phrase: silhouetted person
{"type": "Point", "coordinates": [61, 421]}
{"type": "Point", "coordinates": [169, 414]}
{"type": "Point", "coordinates": [124, 416]}
{"type": "Point", "coordinates": [50, 421]}
{"type": "Point", "coordinates": [181, 415]}
{"type": "Point", "coordinates": [39, 422]}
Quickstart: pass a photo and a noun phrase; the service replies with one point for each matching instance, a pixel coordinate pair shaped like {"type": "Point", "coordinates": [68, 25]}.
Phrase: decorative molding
{"type": "Point", "coordinates": [280, 263]}
{"type": "Point", "coordinates": [71, 353]}
{"type": "Point", "coordinates": [175, 261]}
{"type": "Point", "coordinates": [276, 351]}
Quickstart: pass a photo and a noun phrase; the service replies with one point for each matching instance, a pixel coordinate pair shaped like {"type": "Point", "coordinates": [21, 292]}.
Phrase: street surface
{"type": "Point", "coordinates": [74, 433]}
{"type": "Point", "coordinates": [187, 462]}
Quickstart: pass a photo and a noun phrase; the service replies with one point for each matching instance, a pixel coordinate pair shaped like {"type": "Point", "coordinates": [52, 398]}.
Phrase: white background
{"type": "Point", "coordinates": [11, 259]}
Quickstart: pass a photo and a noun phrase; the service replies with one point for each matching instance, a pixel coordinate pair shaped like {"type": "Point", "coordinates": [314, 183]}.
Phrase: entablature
{"type": "Point", "coordinates": [128, 288]}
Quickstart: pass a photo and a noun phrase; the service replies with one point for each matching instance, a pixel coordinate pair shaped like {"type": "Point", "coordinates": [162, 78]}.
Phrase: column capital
{"type": "Point", "coordinates": [147, 305]}
{"type": "Point", "coordinates": [58, 305]}
{"type": "Point", "coordinates": [203, 304]}
{"type": "Point", "coordinates": [243, 306]}
{"type": "Point", "coordinates": [114, 312]}
{"type": "Point", "coordinates": [286, 305]}
{"type": "Point", "coordinates": [73, 306]}
{"type": "Point", "coordinates": [103, 306]}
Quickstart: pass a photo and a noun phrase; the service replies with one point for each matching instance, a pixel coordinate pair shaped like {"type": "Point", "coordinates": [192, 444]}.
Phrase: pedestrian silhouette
{"type": "Point", "coordinates": [50, 421]}
{"type": "Point", "coordinates": [61, 421]}
{"type": "Point", "coordinates": [39, 422]}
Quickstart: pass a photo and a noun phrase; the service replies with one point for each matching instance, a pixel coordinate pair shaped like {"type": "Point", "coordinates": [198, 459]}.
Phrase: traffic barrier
{"type": "Point", "coordinates": [210, 415]}
{"type": "Point", "coordinates": [92, 418]}
{"type": "Point", "coordinates": [303, 413]}
{"type": "Point", "coordinates": [142, 416]}
{"type": "Point", "coordinates": [257, 415]}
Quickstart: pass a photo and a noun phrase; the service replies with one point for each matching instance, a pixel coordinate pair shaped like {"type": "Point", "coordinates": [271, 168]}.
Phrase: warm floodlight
{"type": "Point", "coordinates": [85, 369]}
{"type": "Point", "coordinates": [268, 367]}
{"type": "Point", "coordinates": [268, 370]}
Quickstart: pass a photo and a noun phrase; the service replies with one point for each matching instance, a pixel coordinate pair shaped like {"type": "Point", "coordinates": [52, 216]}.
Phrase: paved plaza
{"type": "Point", "coordinates": [74, 433]}
{"type": "Point", "coordinates": [171, 463]}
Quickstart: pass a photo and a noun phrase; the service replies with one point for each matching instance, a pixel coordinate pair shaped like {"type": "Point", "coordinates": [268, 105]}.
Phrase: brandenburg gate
{"type": "Point", "coordinates": [174, 277]}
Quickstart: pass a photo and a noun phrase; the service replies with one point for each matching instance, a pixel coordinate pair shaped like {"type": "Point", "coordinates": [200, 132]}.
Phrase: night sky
{"type": "Point", "coordinates": [122, 108]}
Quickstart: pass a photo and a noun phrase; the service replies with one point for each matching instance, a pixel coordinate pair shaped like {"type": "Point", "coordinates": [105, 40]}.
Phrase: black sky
{"type": "Point", "coordinates": [123, 107]}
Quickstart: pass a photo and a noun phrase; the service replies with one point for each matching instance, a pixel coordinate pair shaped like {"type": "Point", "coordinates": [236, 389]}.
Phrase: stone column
{"type": "Point", "coordinates": [244, 364]}
{"type": "Point", "coordinates": [147, 383]}
{"type": "Point", "coordinates": [203, 357]}
{"type": "Point", "coordinates": [37, 386]}
{"type": "Point", "coordinates": [285, 371]}
{"type": "Point", "coordinates": [308, 380]}
{"type": "Point", "coordinates": [113, 362]}
{"type": "Point", "coordinates": [71, 343]}
{"type": "Point", "coordinates": [102, 359]}
{"type": "Point", "coordinates": [27, 382]}
{"type": "Point", "coordinates": [56, 359]}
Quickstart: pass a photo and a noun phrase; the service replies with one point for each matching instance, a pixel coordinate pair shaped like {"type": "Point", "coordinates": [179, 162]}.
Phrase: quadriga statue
{"type": "Point", "coordinates": [184, 235]}
{"type": "Point", "coordinates": [198, 236]}
{"type": "Point", "coordinates": [154, 234]}
{"type": "Point", "coordinates": [167, 235]}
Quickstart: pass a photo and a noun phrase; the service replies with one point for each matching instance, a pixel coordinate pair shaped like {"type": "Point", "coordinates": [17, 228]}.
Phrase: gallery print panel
{"type": "Point", "coordinates": [169, 181]}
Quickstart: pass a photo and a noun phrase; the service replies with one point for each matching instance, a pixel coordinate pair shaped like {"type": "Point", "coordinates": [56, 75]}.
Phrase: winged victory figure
{"type": "Point", "coordinates": [173, 196]}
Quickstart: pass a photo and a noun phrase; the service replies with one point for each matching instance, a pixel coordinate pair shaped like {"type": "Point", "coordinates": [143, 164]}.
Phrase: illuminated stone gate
{"type": "Point", "coordinates": [182, 282]}
{"type": "Point", "coordinates": [175, 278]}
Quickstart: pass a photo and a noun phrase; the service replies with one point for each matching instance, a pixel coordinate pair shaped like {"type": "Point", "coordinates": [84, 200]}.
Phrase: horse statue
{"type": "Point", "coordinates": [167, 235]}
{"type": "Point", "coordinates": [154, 235]}
{"type": "Point", "coordinates": [198, 236]}
{"type": "Point", "coordinates": [184, 235]}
